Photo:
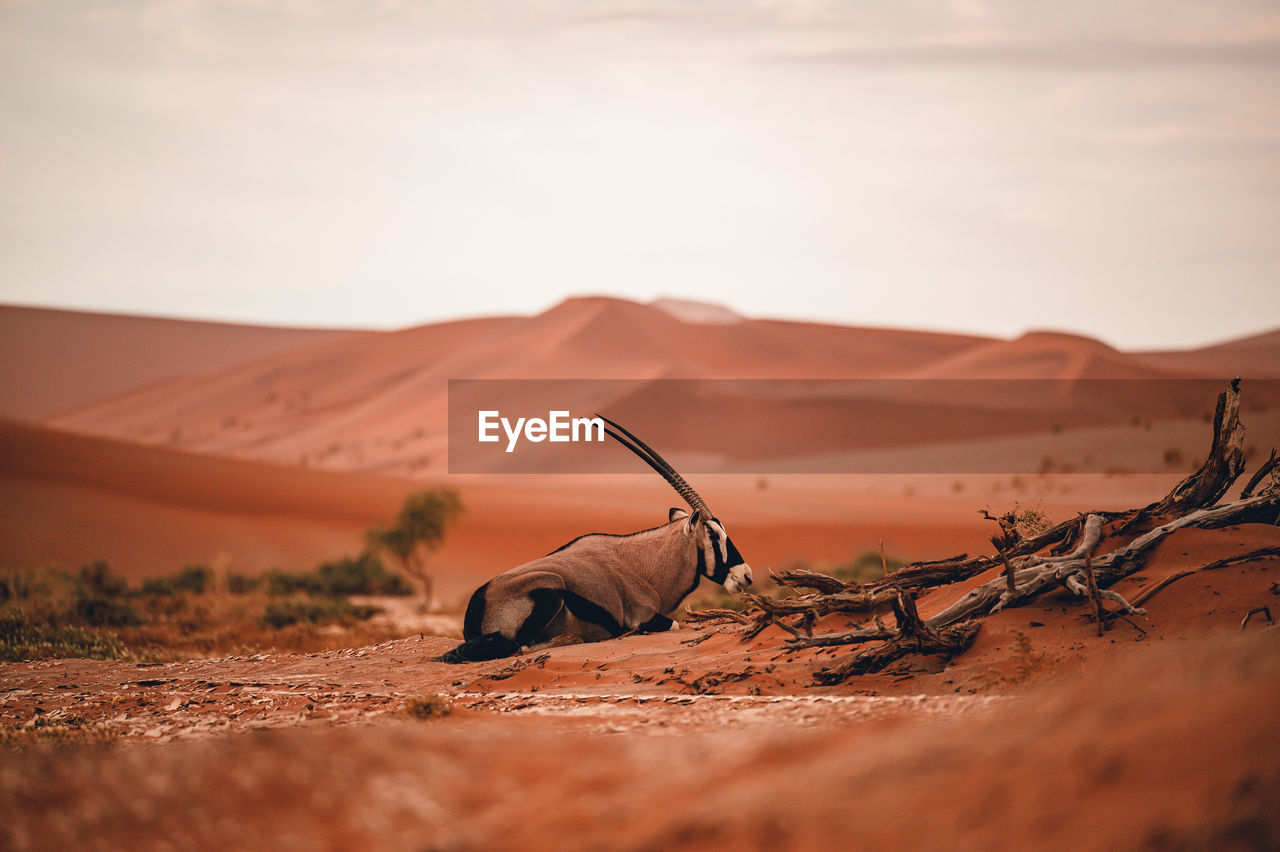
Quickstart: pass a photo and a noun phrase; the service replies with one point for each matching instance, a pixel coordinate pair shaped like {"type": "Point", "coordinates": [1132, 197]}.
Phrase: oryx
{"type": "Point", "coordinates": [600, 586]}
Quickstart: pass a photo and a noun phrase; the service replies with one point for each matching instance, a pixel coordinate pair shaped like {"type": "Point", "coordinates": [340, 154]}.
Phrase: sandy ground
{"type": "Point", "coordinates": [1158, 734]}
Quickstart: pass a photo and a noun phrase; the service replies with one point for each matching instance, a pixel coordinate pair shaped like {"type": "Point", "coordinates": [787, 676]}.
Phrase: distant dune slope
{"type": "Point", "coordinates": [68, 499]}
{"type": "Point", "coordinates": [55, 359]}
{"type": "Point", "coordinates": [378, 402]}
{"type": "Point", "coordinates": [1257, 356]}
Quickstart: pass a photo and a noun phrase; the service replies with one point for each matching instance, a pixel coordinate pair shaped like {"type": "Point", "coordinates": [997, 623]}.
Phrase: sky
{"type": "Point", "coordinates": [986, 166]}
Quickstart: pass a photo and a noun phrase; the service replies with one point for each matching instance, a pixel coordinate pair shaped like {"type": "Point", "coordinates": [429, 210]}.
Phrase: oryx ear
{"type": "Point", "coordinates": [677, 514]}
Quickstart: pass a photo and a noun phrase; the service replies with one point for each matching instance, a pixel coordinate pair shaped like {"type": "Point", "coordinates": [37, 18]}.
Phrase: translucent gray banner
{"type": "Point", "coordinates": [997, 426]}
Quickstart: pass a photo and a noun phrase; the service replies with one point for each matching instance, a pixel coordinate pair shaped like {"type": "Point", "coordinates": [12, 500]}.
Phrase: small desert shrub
{"type": "Point", "coordinates": [282, 583]}
{"type": "Point", "coordinates": [95, 613]}
{"type": "Point", "coordinates": [363, 575]}
{"type": "Point", "coordinates": [284, 613]}
{"type": "Point", "coordinates": [56, 730]}
{"type": "Point", "coordinates": [1028, 662]}
{"type": "Point", "coordinates": [106, 612]}
{"type": "Point", "coordinates": [158, 586]}
{"type": "Point", "coordinates": [196, 579]}
{"type": "Point", "coordinates": [239, 584]}
{"type": "Point", "coordinates": [432, 706]}
{"type": "Point", "coordinates": [1030, 520]}
{"type": "Point", "coordinates": [866, 567]}
{"type": "Point", "coordinates": [22, 639]}
{"type": "Point", "coordinates": [99, 579]}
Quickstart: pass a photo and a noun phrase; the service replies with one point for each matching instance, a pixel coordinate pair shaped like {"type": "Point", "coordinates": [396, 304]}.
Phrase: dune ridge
{"type": "Point", "coordinates": [59, 359]}
{"type": "Point", "coordinates": [378, 402]}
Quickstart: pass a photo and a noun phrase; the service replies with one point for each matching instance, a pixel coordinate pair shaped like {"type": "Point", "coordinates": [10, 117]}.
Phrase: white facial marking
{"type": "Point", "coordinates": [739, 579]}
{"type": "Point", "coordinates": [722, 541]}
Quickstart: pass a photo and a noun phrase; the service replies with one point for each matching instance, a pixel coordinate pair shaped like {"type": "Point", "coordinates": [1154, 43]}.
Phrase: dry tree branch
{"type": "Point", "coordinates": [1260, 553]}
{"type": "Point", "coordinates": [1264, 611]}
{"type": "Point", "coordinates": [913, 636]}
{"type": "Point", "coordinates": [1266, 468]}
{"type": "Point", "coordinates": [801, 578]}
{"type": "Point", "coordinates": [1092, 583]}
{"type": "Point", "coordinates": [713, 616]}
{"type": "Point", "coordinates": [1026, 572]}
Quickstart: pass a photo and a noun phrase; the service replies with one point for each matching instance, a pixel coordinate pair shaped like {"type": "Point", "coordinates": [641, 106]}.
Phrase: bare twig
{"type": "Point", "coordinates": [853, 637]}
{"type": "Point", "coordinates": [713, 616]}
{"type": "Point", "coordinates": [1267, 466]}
{"type": "Point", "coordinates": [1092, 584]}
{"type": "Point", "coordinates": [801, 578]}
{"type": "Point", "coordinates": [1264, 610]}
{"type": "Point", "coordinates": [1252, 555]}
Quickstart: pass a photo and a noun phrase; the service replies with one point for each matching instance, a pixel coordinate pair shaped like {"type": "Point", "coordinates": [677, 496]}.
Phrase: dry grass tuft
{"type": "Point", "coordinates": [431, 706]}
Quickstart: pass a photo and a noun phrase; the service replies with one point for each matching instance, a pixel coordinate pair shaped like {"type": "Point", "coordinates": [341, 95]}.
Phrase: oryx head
{"type": "Point", "coordinates": [718, 557]}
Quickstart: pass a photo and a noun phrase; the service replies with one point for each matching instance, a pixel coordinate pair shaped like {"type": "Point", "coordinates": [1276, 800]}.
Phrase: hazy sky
{"type": "Point", "coordinates": [1112, 168]}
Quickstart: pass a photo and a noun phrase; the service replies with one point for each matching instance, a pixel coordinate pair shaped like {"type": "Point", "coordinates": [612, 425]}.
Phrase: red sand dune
{"type": "Point", "coordinates": [1256, 356]}
{"type": "Point", "coordinates": [378, 402]}
{"type": "Point", "coordinates": [56, 359]}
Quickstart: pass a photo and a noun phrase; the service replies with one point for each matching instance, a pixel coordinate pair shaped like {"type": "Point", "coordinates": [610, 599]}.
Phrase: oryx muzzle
{"type": "Point", "coordinates": [599, 585]}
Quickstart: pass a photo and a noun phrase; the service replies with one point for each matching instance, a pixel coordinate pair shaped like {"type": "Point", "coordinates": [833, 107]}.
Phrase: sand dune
{"type": "Point", "coordinates": [69, 499]}
{"type": "Point", "coordinates": [1256, 356]}
{"type": "Point", "coordinates": [378, 402]}
{"type": "Point", "coordinates": [55, 360]}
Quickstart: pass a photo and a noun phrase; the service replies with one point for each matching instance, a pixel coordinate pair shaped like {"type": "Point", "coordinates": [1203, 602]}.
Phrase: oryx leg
{"type": "Point", "coordinates": [547, 605]}
{"type": "Point", "coordinates": [557, 642]}
{"type": "Point", "coordinates": [657, 624]}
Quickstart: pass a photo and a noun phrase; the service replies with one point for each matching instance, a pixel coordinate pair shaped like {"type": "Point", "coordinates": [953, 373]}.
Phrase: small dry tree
{"type": "Point", "coordinates": [418, 529]}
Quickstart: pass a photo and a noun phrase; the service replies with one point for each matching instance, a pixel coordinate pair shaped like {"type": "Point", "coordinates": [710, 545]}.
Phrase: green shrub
{"type": "Point", "coordinates": [284, 613]}
{"type": "Point", "coordinates": [98, 579]}
{"type": "Point", "coordinates": [158, 586]}
{"type": "Point", "coordinates": [194, 578]}
{"type": "Point", "coordinates": [282, 583]}
{"type": "Point", "coordinates": [364, 575]}
{"type": "Point", "coordinates": [866, 567]}
{"type": "Point", "coordinates": [20, 639]}
{"type": "Point", "coordinates": [105, 612]}
{"type": "Point", "coordinates": [239, 584]}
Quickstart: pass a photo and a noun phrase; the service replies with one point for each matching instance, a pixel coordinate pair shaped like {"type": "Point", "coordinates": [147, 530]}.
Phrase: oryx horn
{"type": "Point", "coordinates": [661, 465]}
